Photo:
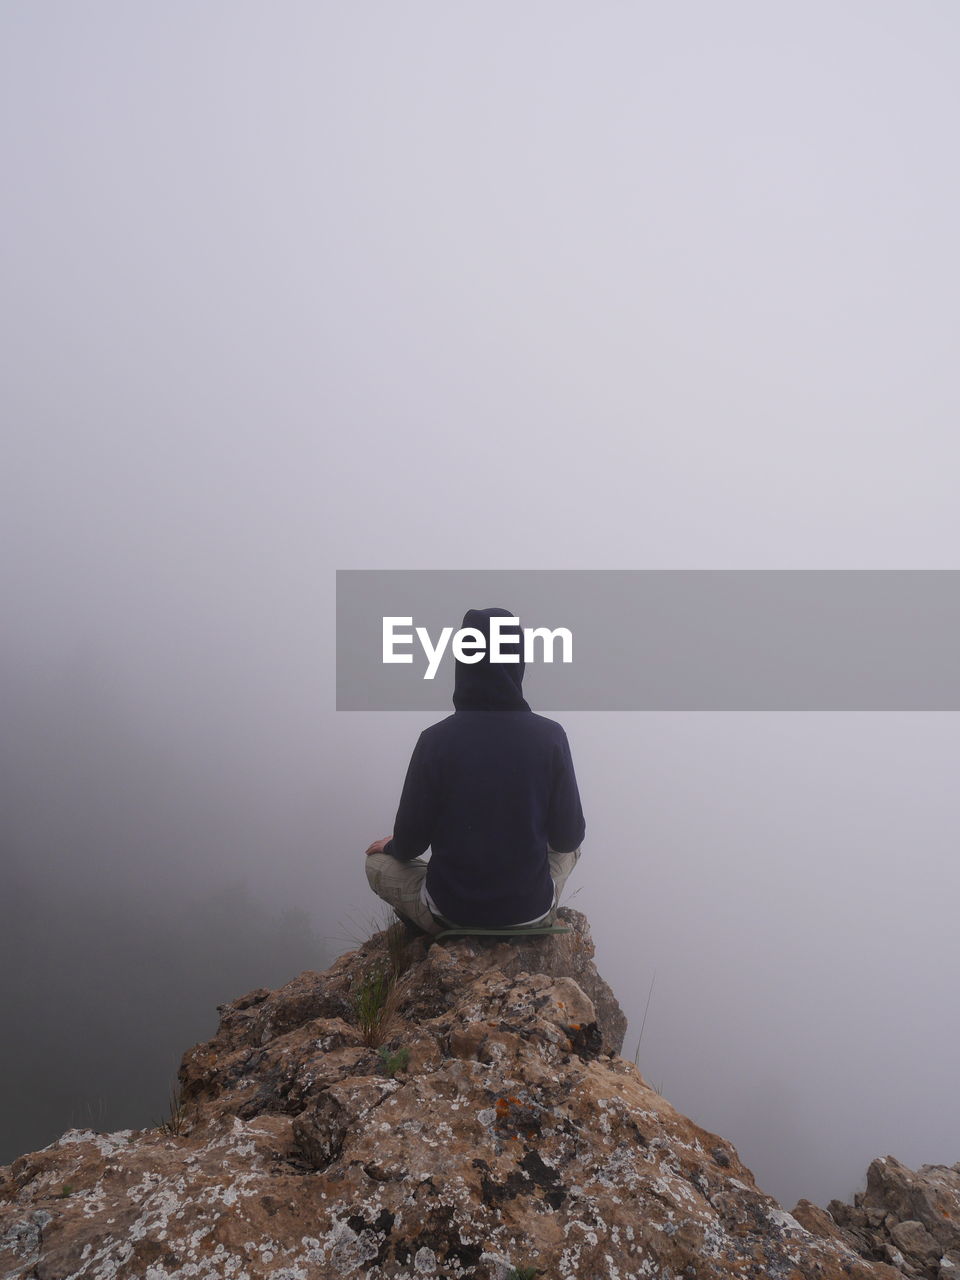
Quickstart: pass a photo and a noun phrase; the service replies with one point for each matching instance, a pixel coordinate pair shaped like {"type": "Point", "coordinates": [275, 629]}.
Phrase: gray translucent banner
{"type": "Point", "coordinates": [671, 640]}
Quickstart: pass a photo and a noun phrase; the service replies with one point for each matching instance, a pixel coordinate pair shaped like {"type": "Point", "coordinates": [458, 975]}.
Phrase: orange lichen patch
{"type": "Point", "coordinates": [516, 1120]}
{"type": "Point", "coordinates": [575, 1026]}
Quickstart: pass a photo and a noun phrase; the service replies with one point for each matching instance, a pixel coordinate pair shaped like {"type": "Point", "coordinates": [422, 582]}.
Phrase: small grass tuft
{"type": "Point", "coordinates": [391, 1063]}
{"type": "Point", "coordinates": [175, 1124]}
{"type": "Point", "coordinates": [372, 1002]}
{"type": "Point", "coordinates": [374, 995]}
{"type": "Point", "coordinates": [522, 1273]}
{"type": "Point", "coordinates": [401, 950]}
{"type": "Point", "coordinates": [643, 1023]}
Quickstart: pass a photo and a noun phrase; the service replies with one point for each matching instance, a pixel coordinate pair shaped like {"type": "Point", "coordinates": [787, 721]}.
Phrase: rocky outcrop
{"type": "Point", "coordinates": [911, 1220]}
{"type": "Point", "coordinates": [414, 1113]}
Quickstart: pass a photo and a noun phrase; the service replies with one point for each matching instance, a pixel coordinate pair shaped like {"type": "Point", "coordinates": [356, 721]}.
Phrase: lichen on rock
{"type": "Point", "coordinates": [480, 1120]}
{"type": "Point", "coordinates": [908, 1218]}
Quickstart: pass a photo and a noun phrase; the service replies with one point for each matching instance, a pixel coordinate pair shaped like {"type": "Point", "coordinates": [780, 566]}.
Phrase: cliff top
{"type": "Point", "coordinates": [416, 1112]}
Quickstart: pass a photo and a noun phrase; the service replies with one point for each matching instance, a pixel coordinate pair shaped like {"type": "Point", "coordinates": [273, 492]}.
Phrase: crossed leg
{"type": "Point", "coordinates": [398, 884]}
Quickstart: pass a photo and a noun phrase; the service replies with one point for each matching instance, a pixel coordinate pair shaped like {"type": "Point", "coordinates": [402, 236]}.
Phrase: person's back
{"type": "Point", "coordinates": [491, 790]}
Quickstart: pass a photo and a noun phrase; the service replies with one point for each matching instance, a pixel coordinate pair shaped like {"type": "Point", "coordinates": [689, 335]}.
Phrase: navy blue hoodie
{"type": "Point", "coordinates": [487, 790]}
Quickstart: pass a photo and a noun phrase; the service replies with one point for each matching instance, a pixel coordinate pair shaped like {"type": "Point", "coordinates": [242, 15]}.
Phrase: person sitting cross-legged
{"type": "Point", "coordinates": [492, 793]}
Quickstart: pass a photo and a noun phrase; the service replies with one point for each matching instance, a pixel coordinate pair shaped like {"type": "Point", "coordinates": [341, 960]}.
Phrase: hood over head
{"type": "Point", "coordinates": [486, 685]}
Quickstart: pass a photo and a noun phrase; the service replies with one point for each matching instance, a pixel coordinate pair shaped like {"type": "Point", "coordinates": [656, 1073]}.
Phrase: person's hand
{"type": "Point", "coordinates": [378, 845]}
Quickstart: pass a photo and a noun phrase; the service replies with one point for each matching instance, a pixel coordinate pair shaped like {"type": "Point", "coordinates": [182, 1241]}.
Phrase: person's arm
{"type": "Point", "coordinates": [416, 815]}
{"type": "Point", "coordinates": [565, 825]}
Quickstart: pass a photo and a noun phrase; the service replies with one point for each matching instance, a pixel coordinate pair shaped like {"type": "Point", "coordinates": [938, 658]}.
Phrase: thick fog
{"type": "Point", "coordinates": [303, 286]}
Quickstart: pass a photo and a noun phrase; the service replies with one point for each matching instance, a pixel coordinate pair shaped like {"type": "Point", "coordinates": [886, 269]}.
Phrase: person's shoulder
{"type": "Point", "coordinates": [547, 728]}
{"type": "Point", "coordinates": [438, 730]}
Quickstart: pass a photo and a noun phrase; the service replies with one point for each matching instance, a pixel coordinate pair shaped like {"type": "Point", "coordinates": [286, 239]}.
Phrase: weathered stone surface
{"type": "Point", "coordinates": [484, 1124]}
{"type": "Point", "coordinates": [568, 955]}
{"type": "Point", "coordinates": [910, 1218]}
{"type": "Point", "coordinates": [817, 1220]}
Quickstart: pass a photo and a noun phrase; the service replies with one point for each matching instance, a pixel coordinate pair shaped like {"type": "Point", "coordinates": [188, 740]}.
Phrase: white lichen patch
{"type": "Point", "coordinates": [425, 1261]}
{"type": "Point", "coordinates": [158, 1206]}
{"type": "Point", "coordinates": [619, 1169]}
{"type": "Point", "coordinates": [785, 1221]}
{"type": "Point", "coordinates": [716, 1240]}
{"type": "Point", "coordinates": [107, 1144]}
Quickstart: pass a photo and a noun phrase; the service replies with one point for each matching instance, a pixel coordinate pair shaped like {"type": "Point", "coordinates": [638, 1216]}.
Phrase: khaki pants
{"type": "Point", "coordinates": [398, 883]}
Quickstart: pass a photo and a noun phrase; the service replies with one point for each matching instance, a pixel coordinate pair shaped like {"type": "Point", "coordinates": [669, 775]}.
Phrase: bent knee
{"type": "Point", "coordinates": [373, 865]}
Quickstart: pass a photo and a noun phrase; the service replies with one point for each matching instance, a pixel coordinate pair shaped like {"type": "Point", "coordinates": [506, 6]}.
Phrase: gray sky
{"type": "Point", "coordinates": [296, 287]}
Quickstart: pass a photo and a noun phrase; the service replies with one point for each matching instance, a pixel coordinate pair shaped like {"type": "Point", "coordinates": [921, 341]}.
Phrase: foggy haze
{"type": "Point", "coordinates": [301, 287]}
